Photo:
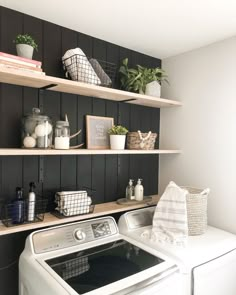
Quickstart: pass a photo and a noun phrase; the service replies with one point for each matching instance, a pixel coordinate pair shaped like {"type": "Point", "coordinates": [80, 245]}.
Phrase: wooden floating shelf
{"type": "Point", "coordinates": [100, 210]}
{"type": "Point", "coordinates": [52, 152]}
{"type": "Point", "coordinates": [18, 77]}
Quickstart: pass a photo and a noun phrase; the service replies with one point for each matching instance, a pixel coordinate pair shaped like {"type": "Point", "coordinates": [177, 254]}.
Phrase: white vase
{"type": "Point", "coordinates": [24, 50]}
{"type": "Point", "coordinates": [153, 89]}
{"type": "Point", "coordinates": [117, 142]}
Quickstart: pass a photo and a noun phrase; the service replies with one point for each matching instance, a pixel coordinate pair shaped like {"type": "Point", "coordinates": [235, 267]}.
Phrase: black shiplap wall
{"type": "Point", "coordinates": [108, 175]}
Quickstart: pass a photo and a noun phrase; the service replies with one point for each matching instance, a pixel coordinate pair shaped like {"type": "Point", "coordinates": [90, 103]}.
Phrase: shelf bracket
{"type": "Point", "coordinates": [41, 169]}
{"type": "Point", "coordinates": [127, 100]}
{"type": "Point", "coordinates": [48, 86]}
{"type": "Point", "coordinates": [41, 94]}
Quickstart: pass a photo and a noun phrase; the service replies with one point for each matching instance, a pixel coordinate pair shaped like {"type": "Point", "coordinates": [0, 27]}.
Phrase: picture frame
{"type": "Point", "coordinates": [97, 136]}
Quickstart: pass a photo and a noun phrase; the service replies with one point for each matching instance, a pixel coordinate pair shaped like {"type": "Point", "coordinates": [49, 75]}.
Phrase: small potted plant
{"type": "Point", "coordinates": [25, 45]}
{"type": "Point", "coordinates": [117, 137]}
{"type": "Point", "coordinates": [142, 80]}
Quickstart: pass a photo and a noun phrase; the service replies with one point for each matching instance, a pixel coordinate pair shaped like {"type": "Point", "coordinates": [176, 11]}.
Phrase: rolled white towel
{"type": "Point", "coordinates": [70, 198]}
{"type": "Point", "coordinates": [75, 211]}
{"type": "Point", "coordinates": [72, 203]}
{"type": "Point", "coordinates": [79, 68]}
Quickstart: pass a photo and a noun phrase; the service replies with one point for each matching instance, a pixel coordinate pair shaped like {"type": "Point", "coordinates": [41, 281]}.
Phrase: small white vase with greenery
{"type": "Point", "coordinates": [117, 137]}
{"type": "Point", "coordinates": [142, 80]}
{"type": "Point", "coordinates": [25, 46]}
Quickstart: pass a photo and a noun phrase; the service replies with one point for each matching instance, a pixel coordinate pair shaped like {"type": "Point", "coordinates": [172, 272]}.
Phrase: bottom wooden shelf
{"type": "Point", "coordinates": [100, 209]}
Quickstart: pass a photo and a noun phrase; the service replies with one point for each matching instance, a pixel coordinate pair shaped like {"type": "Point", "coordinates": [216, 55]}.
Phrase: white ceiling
{"type": "Point", "coordinates": [161, 28]}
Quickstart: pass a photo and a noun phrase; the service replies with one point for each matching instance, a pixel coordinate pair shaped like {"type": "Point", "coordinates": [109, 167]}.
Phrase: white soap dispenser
{"type": "Point", "coordinates": [138, 191]}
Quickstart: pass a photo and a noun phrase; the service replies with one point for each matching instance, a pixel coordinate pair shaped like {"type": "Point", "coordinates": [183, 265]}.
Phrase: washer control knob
{"type": "Point", "coordinates": [80, 235]}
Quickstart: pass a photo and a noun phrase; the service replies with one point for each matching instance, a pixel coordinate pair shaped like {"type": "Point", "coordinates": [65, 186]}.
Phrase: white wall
{"type": "Point", "coordinates": [204, 128]}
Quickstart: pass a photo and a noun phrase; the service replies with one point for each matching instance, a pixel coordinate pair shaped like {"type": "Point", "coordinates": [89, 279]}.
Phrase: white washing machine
{"type": "Point", "coordinates": [93, 258]}
{"type": "Point", "coordinates": [207, 265]}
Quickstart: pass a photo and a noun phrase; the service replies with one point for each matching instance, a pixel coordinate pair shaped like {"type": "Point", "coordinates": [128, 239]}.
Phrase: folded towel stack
{"type": "Point", "coordinates": [71, 203]}
{"type": "Point", "coordinates": [170, 221]}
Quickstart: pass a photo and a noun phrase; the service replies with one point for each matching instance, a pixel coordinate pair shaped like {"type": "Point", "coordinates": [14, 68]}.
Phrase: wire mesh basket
{"type": "Point", "coordinates": [89, 70]}
{"type": "Point", "coordinates": [23, 212]}
{"type": "Point", "coordinates": [72, 203]}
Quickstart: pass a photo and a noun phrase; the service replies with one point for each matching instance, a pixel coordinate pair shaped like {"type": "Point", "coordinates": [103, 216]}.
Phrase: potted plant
{"type": "Point", "coordinates": [142, 80]}
{"type": "Point", "coordinates": [25, 45]}
{"type": "Point", "coordinates": [117, 137]}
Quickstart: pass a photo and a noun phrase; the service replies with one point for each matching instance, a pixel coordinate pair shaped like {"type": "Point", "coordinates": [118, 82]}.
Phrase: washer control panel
{"type": "Point", "coordinates": [101, 229]}
{"type": "Point", "coordinates": [73, 234]}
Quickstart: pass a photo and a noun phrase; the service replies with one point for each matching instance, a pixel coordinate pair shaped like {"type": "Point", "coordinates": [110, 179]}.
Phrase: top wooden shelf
{"type": "Point", "coordinates": [18, 77]}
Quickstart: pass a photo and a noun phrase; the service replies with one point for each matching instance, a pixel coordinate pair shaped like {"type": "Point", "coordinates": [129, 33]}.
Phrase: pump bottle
{"type": "Point", "coordinates": [31, 202]}
{"type": "Point", "coordinates": [138, 191]}
{"type": "Point", "coordinates": [18, 207]}
{"type": "Point", "coordinates": [130, 191]}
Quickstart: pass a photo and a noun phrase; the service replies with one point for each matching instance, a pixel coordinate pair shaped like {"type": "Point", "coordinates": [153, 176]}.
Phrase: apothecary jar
{"type": "Point", "coordinates": [37, 130]}
{"type": "Point", "coordinates": [62, 135]}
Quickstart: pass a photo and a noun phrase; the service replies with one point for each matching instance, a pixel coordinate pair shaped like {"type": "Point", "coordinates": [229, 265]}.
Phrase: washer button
{"type": "Point", "coordinates": [80, 235]}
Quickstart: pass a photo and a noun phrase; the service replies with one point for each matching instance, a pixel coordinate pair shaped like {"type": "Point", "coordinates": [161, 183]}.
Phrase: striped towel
{"type": "Point", "coordinates": [170, 221]}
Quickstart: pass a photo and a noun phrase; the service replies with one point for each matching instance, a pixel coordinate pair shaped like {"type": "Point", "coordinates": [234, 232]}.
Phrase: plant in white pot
{"type": "Point", "coordinates": [142, 80]}
{"type": "Point", "coordinates": [117, 137]}
{"type": "Point", "coordinates": [25, 46]}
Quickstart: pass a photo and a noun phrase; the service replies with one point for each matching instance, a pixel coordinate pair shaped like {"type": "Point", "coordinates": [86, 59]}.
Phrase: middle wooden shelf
{"type": "Point", "coordinates": [51, 152]}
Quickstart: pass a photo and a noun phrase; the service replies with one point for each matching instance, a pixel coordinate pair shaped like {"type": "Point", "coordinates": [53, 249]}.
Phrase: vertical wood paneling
{"type": "Point", "coordinates": [51, 183]}
{"type": "Point", "coordinates": [34, 27]}
{"type": "Point", "coordinates": [85, 42]}
{"type": "Point", "coordinates": [114, 57]}
{"type": "Point", "coordinates": [84, 164]}
{"type": "Point", "coordinates": [68, 164]}
{"type": "Point", "coordinates": [31, 173]}
{"type": "Point", "coordinates": [98, 161]}
{"type": "Point", "coordinates": [125, 53]}
{"type": "Point", "coordinates": [99, 49]}
{"type": "Point", "coordinates": [108, 175]}
{"type": "Point", "coordinates": [11, 176]}
{"type": "Point", "coordinates": [52, 165]}
{"type": "Point", "coordinates": [11, 26]}
{"type": "Point", "coordinates": [123, 160]}
{"type": "Point", "coordinates": [52, 50]}
{"type": "Point", "coordinates": [11, 113]}
{"type": "Point", "coordinates": [69, 107]}
{"type": "Point", "coordinates": [99, 109]}
{"type": "Point", "coordinates": [111, 171]}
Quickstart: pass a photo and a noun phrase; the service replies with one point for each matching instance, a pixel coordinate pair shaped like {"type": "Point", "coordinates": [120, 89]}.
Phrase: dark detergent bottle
{"type": "Point", "coordinates": [18, 207]}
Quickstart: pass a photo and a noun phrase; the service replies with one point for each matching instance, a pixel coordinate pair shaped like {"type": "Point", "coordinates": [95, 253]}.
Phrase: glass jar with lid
{"type": "Point", "coordinates": [36, 130]}
{"type": "Point", "coordinates": [62, 135]}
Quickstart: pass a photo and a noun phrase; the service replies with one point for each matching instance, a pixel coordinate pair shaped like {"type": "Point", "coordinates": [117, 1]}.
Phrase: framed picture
{"type": "Point", "coordinates": [97, 136]}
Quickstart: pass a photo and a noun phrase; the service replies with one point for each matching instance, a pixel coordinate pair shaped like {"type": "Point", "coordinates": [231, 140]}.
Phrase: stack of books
{"type": "Point", "coordinates": [9, 61]}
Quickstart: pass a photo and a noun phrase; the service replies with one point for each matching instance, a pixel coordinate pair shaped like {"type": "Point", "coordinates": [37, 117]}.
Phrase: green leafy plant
{"type": "Point", "coordinates": [117, 130]}
{"type": "Point", "coordinates": [135, 80]}
{"type": "Point", "coordinates": [26, 39]}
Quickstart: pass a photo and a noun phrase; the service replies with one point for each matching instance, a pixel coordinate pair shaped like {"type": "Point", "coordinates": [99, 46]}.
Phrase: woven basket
{"type": "Point", "coordinates": [196, 210]}
{"type": "Point", "coordinates": [134, 142]}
